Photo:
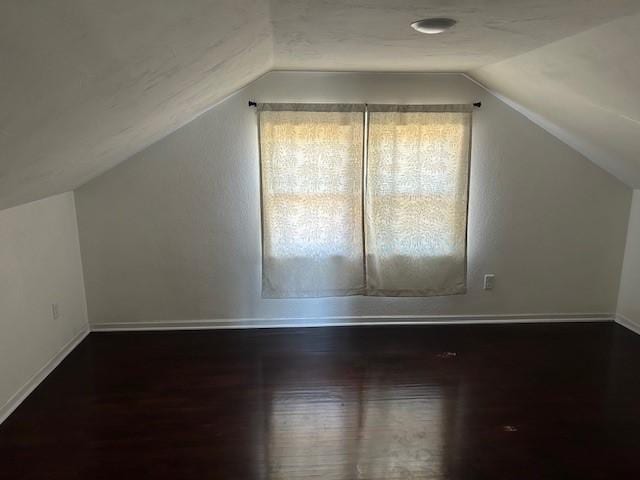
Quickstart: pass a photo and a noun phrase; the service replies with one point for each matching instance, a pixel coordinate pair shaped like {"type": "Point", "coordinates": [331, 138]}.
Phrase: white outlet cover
{"type": "Point", "coordinates": [489, 281]}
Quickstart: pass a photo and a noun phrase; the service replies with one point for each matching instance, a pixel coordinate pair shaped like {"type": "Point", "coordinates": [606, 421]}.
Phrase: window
{"type": "Point", "coordinates": [364, 200]}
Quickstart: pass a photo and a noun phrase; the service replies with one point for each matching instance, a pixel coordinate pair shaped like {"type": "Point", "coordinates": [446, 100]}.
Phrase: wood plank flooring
{"type": "Point", "coordinates": [487, 402]}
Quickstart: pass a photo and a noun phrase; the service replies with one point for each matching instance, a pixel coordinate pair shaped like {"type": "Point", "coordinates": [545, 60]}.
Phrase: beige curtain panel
{"type": "Point", "coordinates": [364, 200]}
{"type": "Point", "coordinates": [312, 228]}
{"type": "Point", "coordinates": [416, 201]}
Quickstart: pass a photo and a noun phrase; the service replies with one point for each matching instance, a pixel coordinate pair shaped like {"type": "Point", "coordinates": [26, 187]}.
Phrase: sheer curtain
{"type": "Point", "coordinates": [416, 199]}
{"type": "Point", "coordinates": [357, 203]}
{"type": "Point", "coordinates": [312, 168]}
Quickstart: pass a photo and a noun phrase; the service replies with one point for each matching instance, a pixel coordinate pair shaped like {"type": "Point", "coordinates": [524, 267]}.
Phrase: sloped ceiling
{"type": "Point", "coordinates": [585, 89]}
{"type": "Point", "coordinates": [84, 84]}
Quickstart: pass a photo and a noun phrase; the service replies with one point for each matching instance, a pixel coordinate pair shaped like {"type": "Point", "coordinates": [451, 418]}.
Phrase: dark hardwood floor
{"type": "Point", "coordinates": [455, 402]}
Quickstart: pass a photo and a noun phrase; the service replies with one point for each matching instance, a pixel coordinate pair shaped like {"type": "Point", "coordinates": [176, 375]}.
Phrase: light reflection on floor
{"type": "Point", "coordinates": [334, 432]}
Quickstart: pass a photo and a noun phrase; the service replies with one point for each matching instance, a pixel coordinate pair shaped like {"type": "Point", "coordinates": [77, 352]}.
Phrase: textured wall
{"type": "Point", "coordinates": [174, 232]}
{"type": "Point", "coordinates": [39, 265]}
{"type": "Point", "coordinates": [629, 299]}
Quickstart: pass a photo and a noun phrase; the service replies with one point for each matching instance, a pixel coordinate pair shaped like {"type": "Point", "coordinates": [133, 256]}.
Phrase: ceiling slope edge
{"type": "Point", "coordinates": [583, 90]}
{"type": "Point", "coordinates": [587, 149]}
{"type": "Point", "coordinates": [66, 133]}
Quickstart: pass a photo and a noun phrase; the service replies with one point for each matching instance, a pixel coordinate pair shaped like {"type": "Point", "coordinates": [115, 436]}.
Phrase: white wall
{"type": "Point", "coordinates": [174, 232]}
{"type": "Point", "coordinates": [39, 265]}
{"type": "Point", "coordinates": [629, 298]}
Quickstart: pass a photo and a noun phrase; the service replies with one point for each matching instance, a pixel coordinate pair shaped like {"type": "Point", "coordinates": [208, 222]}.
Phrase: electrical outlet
{"type": "Point", "coordinates": [489, 281]}
{"type": "Point", "coordinates": [55, 311]}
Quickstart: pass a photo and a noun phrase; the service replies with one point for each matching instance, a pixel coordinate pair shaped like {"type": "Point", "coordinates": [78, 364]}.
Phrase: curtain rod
{"type": "Point", "coordinates": [254, 104]}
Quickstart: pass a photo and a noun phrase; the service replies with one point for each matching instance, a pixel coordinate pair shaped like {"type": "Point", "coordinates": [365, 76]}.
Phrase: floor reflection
{"type": "Point", "coordinates": [358, 426]}
{"type": "Point", "coordinates": [402, 434]}
{"type": "Point", "coordinates": [312, 434]}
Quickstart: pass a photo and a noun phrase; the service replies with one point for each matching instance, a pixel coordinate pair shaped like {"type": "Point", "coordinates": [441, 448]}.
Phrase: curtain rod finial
{"type": "Point", "coordinates": [477, 104]}
{"type": "Point", "coordinates": [252, 103]}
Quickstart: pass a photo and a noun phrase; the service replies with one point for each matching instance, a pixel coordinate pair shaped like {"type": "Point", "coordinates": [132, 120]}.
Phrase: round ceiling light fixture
{"type": "Point", "coordinates": [433, 25]}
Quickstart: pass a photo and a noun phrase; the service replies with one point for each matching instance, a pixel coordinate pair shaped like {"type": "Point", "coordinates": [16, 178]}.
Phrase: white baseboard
{"type": "Point", "coordinates": [13, 403]}
{"type": "Point", "coordinates": [632, 325]}
{"type": "Point", "coordinates": [240, 323]}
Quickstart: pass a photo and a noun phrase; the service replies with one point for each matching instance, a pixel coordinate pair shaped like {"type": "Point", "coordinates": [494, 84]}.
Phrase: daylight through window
{"type": "Point", "coordinates": [368, 200]}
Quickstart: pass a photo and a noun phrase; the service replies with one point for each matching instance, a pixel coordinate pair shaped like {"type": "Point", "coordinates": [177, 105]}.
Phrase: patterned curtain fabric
{"type": "Point", "coordinates": [341, 219]}
{"type": "Point", "coordinates": [312, 166]}
{"type": "Point", "coordinates": [416, 200]}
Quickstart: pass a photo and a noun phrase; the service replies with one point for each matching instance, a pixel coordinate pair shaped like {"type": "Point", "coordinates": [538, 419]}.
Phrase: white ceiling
{"type": "Point", "coordinates": [375, 34]}
{"type": "Point", "coordinates": [84, 84]}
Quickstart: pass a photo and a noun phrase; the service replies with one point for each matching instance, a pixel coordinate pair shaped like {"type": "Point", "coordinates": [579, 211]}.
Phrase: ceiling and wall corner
{"type": "Point", "coordinates": [85, 85]}
{"type": "Point", "coordinates": [584, 90]}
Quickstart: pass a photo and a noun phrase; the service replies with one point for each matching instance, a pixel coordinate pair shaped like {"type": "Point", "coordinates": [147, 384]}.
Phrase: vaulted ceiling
{"type": "Point", "coordinates": [84, 84]}
{"type": "Point", "coordinates": [585, 90]}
